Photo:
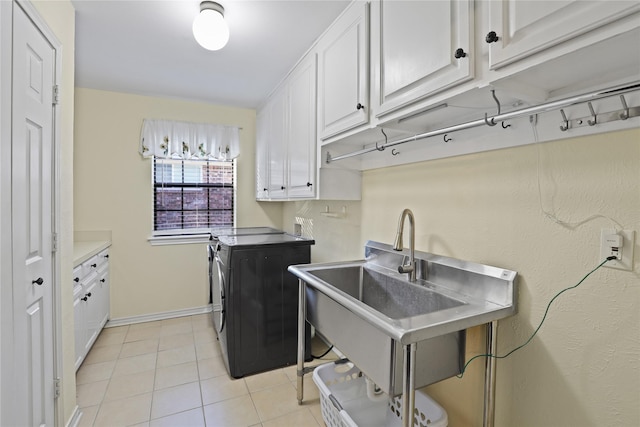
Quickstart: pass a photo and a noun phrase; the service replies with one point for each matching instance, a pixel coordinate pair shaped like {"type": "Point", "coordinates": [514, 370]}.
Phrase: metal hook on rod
{"type": "Point", "coordinates": [385, 141]}
{"type": "Point", "coordinates": [486, 118]}
{"type": "Point", "coordinates": [565, 123]}
{"type": "Point", "coordinates": [503, 125]}
{"type": "Point", "coordinates": [625, 114]}
{"type": "Point", "coordinates": [394, 152]}
{"type": "Point", "coordinates": [594, 118]}
{"type": "Point", "coordinates": [447, 139]}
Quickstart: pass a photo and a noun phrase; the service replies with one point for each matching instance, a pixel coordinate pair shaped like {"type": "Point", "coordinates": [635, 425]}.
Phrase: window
{"type": "Point", "coordinates": [192, 195]}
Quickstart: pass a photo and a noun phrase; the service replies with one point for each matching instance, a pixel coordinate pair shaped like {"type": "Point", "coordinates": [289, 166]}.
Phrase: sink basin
{"type": "Point", "coordinates": [394, 297]}
{"type": "Point", "coordinates": [370, 312]}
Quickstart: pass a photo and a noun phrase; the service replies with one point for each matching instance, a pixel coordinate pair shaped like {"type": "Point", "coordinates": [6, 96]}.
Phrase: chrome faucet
{"type": "Point", "coordinates": [398, 246]}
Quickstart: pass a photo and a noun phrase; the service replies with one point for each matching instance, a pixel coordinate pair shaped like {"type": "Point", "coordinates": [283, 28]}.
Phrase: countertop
{"type": "Point", "coordinates": [83, 250]}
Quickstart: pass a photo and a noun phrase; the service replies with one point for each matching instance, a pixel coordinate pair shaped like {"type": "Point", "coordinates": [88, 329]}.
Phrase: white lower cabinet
{"type": "Point", "coordinates": [90, 302]}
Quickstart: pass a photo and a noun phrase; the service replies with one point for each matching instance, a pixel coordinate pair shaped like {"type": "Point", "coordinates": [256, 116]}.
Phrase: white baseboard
{"type": "Point", "coordinates": [74, 420]}
{"type": "Point", "coordinates": [121, 321]}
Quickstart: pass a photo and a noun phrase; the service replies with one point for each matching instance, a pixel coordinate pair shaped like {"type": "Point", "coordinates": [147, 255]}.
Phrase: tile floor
{"type": "Point", "coordinates": [170, 373]}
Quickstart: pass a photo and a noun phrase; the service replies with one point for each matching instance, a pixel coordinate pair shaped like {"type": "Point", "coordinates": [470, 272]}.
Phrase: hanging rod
{"type": "Point", "coordinates": [542, 108]}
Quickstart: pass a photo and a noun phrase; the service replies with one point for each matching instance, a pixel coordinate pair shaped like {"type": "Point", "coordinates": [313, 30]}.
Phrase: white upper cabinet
{"type": "Point", "coordinates": [277, 145]}
{"type": "Point", "coordinates": [343, 72]}
{"type": "Point", "coordinates": [521, 28]}
{"type": "Point", "coordinates": [286, 137]}
{"type": "Point", "coordinates": [302, 129]}
{"type": "Point", "coordinates": [262, 154]}
{"type": "Point", "coordinates": [419, 48]}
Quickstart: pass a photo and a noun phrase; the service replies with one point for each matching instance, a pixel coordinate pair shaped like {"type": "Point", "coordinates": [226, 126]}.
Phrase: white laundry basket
{"type": "Point", "coordinates": [344, 401]}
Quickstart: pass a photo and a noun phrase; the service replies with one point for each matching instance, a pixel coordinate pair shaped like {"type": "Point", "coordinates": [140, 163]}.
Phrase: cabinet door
{"type": "Point", "coordinates": [343, 72]}
{"type": "Point", "coordinates": [276, 146]}
{"type": "Point", "coordinates": [102, 297]}
{"type": "Point", "coordinates": [414, 49]}
{"type": "Point", "coordinates": [302, 129]}
{"type": "Point", "coordinates": [262, 154]}
{"type": "Point", "coordinates": [80, 330]}
{"type": "Point", "coordinates": [525, 27]}
{"type": "Point", "coordinates": [92, 313]}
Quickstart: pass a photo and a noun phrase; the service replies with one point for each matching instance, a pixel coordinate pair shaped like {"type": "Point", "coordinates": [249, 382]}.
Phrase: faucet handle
{"type": "Point", "coordinates": [406, 268]}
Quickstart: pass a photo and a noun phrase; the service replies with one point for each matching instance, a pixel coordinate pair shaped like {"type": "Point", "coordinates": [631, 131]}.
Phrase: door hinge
{"type": "Point", "coordinates": [56, 94]}
{"type": "Point", "coordinates": [56, 387]}
{"type": "Point", "coordinates": [54, 242]}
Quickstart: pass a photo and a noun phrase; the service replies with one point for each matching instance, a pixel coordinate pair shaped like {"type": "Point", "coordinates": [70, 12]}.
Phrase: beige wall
{"type": "Point", "coordinates": [60, 17]}
{"type": "Point", "coordinates": [582, 369]}
{"type": "Point", "coordinates": [113, 192]}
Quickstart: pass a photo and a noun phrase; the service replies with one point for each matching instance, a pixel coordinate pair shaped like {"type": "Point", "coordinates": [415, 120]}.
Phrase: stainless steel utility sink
{"type": "Point", "coordinates": [394, 297]}
{"type": "Point", "coordinates": [370, 312]}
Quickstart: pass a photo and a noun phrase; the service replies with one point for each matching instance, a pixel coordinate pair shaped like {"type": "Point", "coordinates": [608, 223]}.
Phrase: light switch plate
{"type": "Point", "coordinates": [628, 242]}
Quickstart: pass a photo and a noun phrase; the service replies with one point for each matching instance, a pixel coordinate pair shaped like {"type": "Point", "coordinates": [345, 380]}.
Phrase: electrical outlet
{"type": "Point", "coordinates": [297, 229]}
{"type": "Point", "coordinates": [624, 253]}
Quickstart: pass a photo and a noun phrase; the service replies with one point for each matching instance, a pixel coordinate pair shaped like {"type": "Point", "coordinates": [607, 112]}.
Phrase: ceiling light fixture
{"type": "Point", "coordinates": [209, 28]}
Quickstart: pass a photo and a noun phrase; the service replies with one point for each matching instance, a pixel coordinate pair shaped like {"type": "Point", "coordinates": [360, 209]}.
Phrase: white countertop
{"type": "Point", "coordinates": [83, 250]}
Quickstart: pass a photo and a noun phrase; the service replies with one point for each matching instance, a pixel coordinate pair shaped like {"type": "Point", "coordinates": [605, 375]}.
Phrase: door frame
{"type": "Point", "coordinates": [6, 270]}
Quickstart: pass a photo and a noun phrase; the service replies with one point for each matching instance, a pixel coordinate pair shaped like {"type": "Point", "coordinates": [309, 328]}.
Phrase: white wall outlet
{"type": "Point", "coordinates": [625, 240]}
{"type": "Point", "coordinates": [297, 229]}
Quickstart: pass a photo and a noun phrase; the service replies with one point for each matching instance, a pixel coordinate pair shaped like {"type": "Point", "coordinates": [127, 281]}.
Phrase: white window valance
{"type": "Point", "coordinates": [167, 139]}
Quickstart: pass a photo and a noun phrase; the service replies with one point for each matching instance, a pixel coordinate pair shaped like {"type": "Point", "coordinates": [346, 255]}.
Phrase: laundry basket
{"type": "Point", "coordinates": [344, 401]}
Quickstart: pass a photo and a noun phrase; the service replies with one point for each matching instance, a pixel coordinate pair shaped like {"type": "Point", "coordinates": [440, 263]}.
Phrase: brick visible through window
{"type": "Point", "coordinates": [192, 194]}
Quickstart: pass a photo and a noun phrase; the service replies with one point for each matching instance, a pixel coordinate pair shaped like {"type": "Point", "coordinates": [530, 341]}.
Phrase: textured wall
{"type": "Point", "coordinates": [582, 369]}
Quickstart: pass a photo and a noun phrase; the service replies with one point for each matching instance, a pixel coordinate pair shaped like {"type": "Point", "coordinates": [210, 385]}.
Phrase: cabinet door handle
{"type": "Point", "coordinates": [88, 294]}
{"type": "Point", "coordinates": [106, 256]}
{"type": "Point", "coordinates": [103, 280]}
{"type": "Point", "coordinates": [94, 265]}
{"type": "Point", "coordinates": [39, 281]}
{"type": "Point", "coordinates": [76, 279]}
{"type": "Point", "coordinates": [492, 37]}
{"type": "Point", "coordinates": [265, 189]}
{"type": "Point", "coordinates": [309, 184]}
{"type": "Point", "coordinates": [460, 53]}
{"type": "Point", "coordinates": [282, 188]}
{"type": "Point", "coordinates": [84, 299]}
{"type": "Point", "coordinates": [359, 106]}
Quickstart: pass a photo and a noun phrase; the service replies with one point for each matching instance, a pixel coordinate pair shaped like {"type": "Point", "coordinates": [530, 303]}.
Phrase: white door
{"type": "Point", "coordinates": [32, 219]}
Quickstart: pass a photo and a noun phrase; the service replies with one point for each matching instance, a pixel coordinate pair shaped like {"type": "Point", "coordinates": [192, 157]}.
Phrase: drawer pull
{"type": "Point", "coordinates": [39, 281]}
{"type": "Point", "coordinates": [103, 280]}
{"type": "Point", "coordinates": [84, 299]}
{"type": "Point", "coordinates": [359, 106]}
{"type": "Point", "coordinates": [76, 279]}
{"type": "Point", "coordinates": [460, 53]}
{"type": "Point", "coordinates": [88, 294]}
{"type": "Point", "coordinates": [94, 265]}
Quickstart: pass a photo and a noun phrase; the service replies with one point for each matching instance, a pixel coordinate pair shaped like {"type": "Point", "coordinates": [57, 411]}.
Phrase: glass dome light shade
{"type": "Point", "coordinates": [209, 28]}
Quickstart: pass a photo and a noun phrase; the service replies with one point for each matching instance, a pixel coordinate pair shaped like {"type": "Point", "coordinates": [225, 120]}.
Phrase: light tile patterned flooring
{"type": "Point", "coordinates": [170, 373]}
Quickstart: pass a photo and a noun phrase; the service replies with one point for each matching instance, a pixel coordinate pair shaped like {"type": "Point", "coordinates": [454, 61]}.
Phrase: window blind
{"type": "Point", "coordinates": [193, 194]}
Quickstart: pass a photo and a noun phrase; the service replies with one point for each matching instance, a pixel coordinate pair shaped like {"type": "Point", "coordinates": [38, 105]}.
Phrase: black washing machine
{"type": "Point", "coordinates": [258, 299]}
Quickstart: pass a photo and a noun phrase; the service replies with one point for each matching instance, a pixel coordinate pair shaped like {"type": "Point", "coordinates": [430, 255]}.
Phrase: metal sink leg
{"type": "Point", "coordinates": [490, 375]}
{"type": "Point", "coordinates": [302, 306]}
{"type": "Point", "coordinates": [408, 385]}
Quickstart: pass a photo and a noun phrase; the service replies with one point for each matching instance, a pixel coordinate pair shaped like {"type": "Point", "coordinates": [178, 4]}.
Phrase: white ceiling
{"type": "Point", "coordinates": [146, 47]}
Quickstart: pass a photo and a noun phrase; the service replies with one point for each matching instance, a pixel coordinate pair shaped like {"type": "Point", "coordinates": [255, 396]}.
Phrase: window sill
{"type": "Point", "coordinates": [179, 239]}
